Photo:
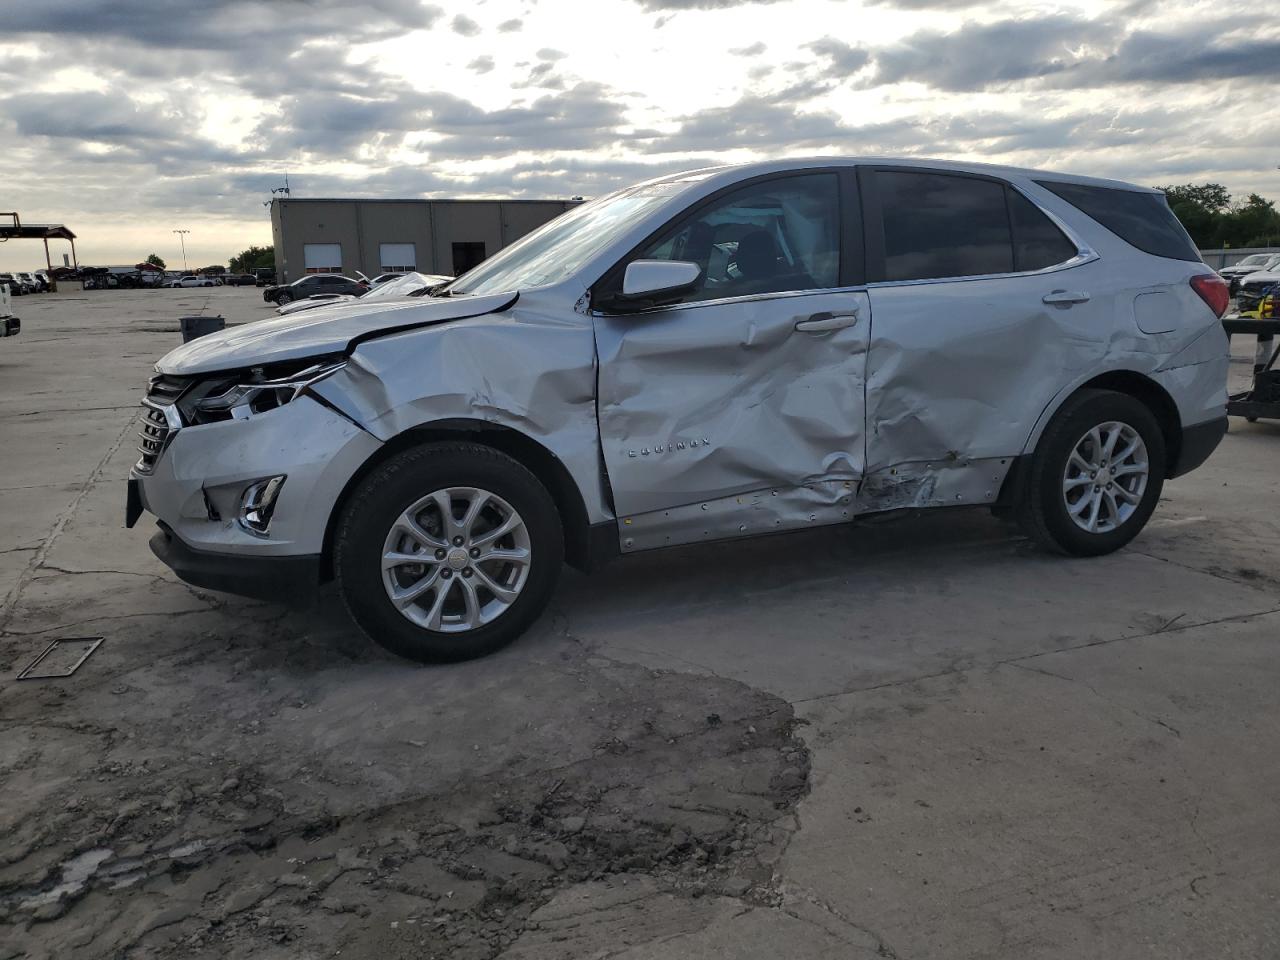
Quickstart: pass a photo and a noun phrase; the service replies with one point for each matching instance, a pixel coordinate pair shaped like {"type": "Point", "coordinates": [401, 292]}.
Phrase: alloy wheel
{"type": "Point", "coordinates": [456, 559]}
{"type": "Point", "coordinates": [1105, 477]}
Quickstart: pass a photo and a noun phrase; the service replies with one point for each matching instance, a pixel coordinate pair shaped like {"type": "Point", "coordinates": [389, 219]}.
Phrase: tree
{"type": "Point", "coordinates": [1214, 220]}
{"type": "Point", "coordinates": [1200, 208]}
{"type": "Point", "coordinates": [154, 260]}
{"type": "Point", "coordinates": [253, 259]}
{"type": "Point", "coordinates": [1209, 196]}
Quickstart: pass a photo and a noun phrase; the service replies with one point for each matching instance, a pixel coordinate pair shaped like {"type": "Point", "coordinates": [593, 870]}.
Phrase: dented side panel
{"type": "Point", "coordinates": [530, 368]}
{"type": "Point", "coordinates": [709, 402]}
{"type": "Point", "coordinates": [960, 372]}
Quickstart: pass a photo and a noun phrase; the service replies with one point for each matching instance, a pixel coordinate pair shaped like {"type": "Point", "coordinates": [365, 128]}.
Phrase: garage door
{"type": "Point", "coordinates": [397, 257]}
{"type": "Point", "coordinates": [322, 257]}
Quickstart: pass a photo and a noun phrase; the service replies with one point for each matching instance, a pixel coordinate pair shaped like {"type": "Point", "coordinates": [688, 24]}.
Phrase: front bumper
{"type": "Point", "coordinates": [283, 579]}
{"type": "Point", "coordinates": [197, 484]}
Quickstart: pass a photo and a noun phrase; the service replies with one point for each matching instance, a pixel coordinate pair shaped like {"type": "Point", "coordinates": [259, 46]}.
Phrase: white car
{"type": "Point", "coordinates": [1251, 264]}
{"type": "Point", "coordinates": [725, 353]}
{"type": "Point", "coordinates": [190, 281]}
{"type": "Point", "coordinates": [10, 326]}
{"type": "Point", "coordinates": [403, 285]}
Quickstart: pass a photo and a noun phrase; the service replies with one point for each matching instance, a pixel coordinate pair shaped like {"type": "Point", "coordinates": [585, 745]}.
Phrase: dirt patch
{"type": "Point", "coordinates": [574, 770]}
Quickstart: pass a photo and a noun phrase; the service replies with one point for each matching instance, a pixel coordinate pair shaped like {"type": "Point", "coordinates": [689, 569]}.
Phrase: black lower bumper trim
{"type": "Point", "coordinates": [1198, 441]}
{"type": "Point", "coordinates": [284, 579]}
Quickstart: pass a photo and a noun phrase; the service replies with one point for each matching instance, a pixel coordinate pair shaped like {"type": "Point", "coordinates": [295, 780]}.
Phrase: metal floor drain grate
{"type": "Point", "coordinates": [61, 658]}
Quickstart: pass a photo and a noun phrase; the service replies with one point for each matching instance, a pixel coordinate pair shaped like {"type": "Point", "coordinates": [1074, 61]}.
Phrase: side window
{"type": "Point", "coordinates": [937, 225]}
{"type": "Point", "coordinates": [769, 237]}
{"type": "Point", "coordinates": [1038, 243]}
{"type": "Point", "coordinates": [1141, 219]}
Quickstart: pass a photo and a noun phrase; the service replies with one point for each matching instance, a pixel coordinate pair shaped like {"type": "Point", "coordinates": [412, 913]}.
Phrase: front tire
{"type": "Point", "coordinates": [447, 552]}
{"type": "Point", "coordinates": [1095, 476]}
{"type": "Point", "coordinates": [282, 299]}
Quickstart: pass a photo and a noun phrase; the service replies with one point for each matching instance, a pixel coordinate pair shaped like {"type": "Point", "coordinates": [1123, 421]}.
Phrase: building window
{"type": "Point", "coordinates": [397, 257]}
{"type": "Point", "coordinates": [467, 255]}
{"type": "Point", "coordinates": [322, 257]}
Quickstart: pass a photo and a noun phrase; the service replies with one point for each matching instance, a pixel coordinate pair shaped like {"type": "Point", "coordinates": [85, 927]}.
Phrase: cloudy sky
{"type": "Point", "coordinates": [126, 120]}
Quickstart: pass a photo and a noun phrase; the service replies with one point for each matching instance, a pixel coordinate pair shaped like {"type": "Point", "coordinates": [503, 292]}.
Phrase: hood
{"type": "Point", "coordinates": [312, 303]}
{"type": "Point", "coordinates": [1270, 276]}
{"type": "Point", "coordinates": [325, 330]}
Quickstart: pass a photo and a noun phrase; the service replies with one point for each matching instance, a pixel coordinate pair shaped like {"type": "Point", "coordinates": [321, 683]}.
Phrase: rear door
{"type": "Point", "coordinates": [740, 410]}
{"type": "Point", "coordinates": [983, 308]}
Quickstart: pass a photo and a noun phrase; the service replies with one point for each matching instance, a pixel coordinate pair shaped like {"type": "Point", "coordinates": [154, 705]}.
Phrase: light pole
{"type": "Point", "coordinates": [182, 238]}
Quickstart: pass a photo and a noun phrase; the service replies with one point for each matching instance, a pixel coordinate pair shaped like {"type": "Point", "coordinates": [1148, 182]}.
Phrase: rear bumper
{"type": "Point", "coordinates": [284, 578]}
{"type": "Point", "coordinates": [1198, 442]}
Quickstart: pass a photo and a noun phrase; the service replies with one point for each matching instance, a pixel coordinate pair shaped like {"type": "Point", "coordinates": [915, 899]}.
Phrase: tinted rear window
{"type": "Point", "coordinates": [1141, 219]}
{"type": "Point", "coordinates": [939, 225]}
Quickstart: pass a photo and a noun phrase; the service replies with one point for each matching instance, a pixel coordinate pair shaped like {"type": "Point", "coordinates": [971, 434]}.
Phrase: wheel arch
{"type": "Point", "coordinates": [1137, 385]}
{"type": "Point", "coordinates": [580, 549]}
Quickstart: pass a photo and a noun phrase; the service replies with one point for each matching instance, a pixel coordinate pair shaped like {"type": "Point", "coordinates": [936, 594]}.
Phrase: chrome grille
{"type": "Point", "coordinates": [159, 419]}
{"type": "Point", "coordinates": [154, 431]}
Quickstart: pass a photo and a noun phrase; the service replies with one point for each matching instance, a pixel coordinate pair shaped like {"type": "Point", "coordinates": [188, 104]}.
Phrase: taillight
{"type": "Point", "coordinates": [1214, 291]}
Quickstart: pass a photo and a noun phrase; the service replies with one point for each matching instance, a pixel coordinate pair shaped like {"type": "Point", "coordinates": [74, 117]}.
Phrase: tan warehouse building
{"type": "Point", "coordinates": [385, 236]}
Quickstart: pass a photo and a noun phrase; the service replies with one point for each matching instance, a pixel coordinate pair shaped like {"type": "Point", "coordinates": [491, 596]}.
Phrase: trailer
{"type": "Point", "coordinates": [1262, 400]}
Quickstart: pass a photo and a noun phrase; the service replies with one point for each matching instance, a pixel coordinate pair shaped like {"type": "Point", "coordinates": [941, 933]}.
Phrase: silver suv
{"type": "Point", "coordinates": [724, 353]}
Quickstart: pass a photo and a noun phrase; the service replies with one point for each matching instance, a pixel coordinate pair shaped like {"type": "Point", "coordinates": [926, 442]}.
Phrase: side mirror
{"type": "Point", "coordinates": [653, 283]}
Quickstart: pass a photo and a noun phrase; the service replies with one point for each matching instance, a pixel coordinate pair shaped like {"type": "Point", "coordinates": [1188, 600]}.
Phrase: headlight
{"type": "Point", "coordinates": [258, 390]}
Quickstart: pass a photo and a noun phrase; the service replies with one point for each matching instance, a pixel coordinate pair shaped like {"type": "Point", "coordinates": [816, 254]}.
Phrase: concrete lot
{"type": "Point", "coordinates": [919, 740]}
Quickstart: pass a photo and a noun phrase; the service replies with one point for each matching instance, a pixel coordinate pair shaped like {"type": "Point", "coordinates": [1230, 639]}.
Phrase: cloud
{"type": "Point", "coordinates": [987, 54]}
{"type": "Point", "coordinates": [655, 5]}
{"type": "Point", "coordinates": [754, 50]}
{"type": "Point", "coordinates": [222, 24]}
{"type": "Point", "coordinates": [547, 53]}
{"type": "Point", "coordinates": [464, 26]}
{"type": "Point", "coordinates": [839, 55]}
{"type": "Point", "coordinates": [1062, 51]}
{"type": "Point", "coordinates": [513, 25]}
{"type": "Point", "coordinates": [481, 64]}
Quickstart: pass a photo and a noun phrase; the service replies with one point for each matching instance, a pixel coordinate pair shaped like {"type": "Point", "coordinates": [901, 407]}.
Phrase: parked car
{"type": "Point", "coordinates": [749, 350]}
{"type": "Point", "coordinates": [1250, 264]}
{"type": "Point", "coordinates": [240, 279]}
{"type": "Point", "coordinates": [311, 284]}
{"type": "Point", "coordinates": [266, 276]}
{"type": "Point", "coordinates": [1252, 289]}
{"type": "Point", "coordinates": [405, 285]}
{"type": "Point", "coordinates": [16, 287]}
{"type": "Point", "coordinates": [29, 281]}
{"type": "Point", "coordinates": [190, 281]}
{"type": "Point", "coordinates": [45, 283]}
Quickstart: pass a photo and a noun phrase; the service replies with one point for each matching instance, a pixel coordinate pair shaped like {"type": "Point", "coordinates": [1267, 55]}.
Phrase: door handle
{"type": "Point", "coordinates": [826, 322]}
{"type": "Point", "coordinates": [1065, 298]}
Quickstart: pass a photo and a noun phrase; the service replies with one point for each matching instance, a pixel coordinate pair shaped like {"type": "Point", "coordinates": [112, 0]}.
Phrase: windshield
{"type": "Point", "coordinates": [399, 287]}
{"type": "Point", "coordinates": [556, 250]}
{"type": "Point", "coordinates": [1255, 258]}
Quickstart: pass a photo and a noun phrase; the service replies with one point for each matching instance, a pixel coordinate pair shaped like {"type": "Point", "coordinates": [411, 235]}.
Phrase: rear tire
{"type": "Point", "coordinates": [1095, 476]}
{"type": "Point", "coordinates": [439, 590]}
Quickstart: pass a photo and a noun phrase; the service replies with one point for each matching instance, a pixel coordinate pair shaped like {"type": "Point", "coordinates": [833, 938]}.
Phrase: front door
{"type": "Point", "coordinates": [740, 410]}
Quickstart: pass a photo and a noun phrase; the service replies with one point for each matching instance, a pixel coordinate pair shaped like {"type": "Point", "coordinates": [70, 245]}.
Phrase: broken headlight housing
{"type": "Point", "coordinates": [241, 395]}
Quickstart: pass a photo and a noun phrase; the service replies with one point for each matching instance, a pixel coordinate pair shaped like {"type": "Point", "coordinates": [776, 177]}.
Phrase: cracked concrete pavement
{"type": "Point", "coordinates": [921, 739]}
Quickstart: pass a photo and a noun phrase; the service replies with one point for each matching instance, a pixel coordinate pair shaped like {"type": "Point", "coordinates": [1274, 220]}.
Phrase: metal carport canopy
{"type": "Point", "coordinates": [38, 231]}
